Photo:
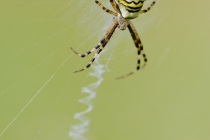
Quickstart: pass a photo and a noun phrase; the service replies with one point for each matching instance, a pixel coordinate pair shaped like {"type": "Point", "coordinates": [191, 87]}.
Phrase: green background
{"type": "Point", "coordinates": [167, 100]}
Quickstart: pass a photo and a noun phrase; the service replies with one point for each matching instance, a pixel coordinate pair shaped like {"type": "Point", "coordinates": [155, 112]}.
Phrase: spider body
{"type": "Point", "coordinates": [125, 10]}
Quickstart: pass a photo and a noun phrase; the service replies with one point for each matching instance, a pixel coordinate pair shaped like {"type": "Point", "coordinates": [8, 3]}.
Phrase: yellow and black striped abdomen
{"type": "Point", "coordinates": [130, 8]}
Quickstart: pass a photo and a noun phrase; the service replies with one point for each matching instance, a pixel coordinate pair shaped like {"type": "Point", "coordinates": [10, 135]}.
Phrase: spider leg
{"type": "Point", "coordinates": [91, 61]}
{"type": "Point", "coordinates": [105, 9]}
{"type": "Point", "coordinates": [139, 47]}
{"type": "Point", "coordinates": [149, 8]}
{"type": "Point", "coordinates": [101, 44]}
{"type": "Point", "coordinates": [98, 45]}
{"type": "Point", "coordinates": [115, 6]}
{"type": "Point", "coordinates": [87, 53]}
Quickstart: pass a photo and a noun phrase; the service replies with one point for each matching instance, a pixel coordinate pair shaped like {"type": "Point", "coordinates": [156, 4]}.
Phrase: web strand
{"type": "Point", "coordinates": [33, 97]}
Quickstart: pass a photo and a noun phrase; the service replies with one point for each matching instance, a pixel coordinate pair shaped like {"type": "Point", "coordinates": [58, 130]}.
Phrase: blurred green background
{"type": "Point", "coordinates": [167, 100]}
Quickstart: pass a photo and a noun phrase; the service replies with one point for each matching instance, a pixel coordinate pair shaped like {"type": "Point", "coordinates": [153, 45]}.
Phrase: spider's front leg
{"type": "Point", "coordinates": [105, 9]}
{"type": "Point", "coordinates": [100, 45]}
{"type": "Point", "coordinates": [149, 8]}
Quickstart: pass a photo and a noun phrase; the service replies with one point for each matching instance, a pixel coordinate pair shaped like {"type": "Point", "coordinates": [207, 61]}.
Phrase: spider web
{"type": "Point", "coordinates": [61, 14]}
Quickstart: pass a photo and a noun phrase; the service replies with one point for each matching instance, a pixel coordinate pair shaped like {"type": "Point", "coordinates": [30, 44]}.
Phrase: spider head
{"type": "Point", "coordinates": [130, 8]}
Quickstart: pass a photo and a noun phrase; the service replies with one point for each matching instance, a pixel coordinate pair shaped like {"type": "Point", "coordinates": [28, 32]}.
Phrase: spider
{"type": "Point", "coordinates": [125, 10]}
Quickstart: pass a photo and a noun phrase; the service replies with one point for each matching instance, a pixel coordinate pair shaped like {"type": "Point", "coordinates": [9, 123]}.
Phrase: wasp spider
{"type": "Point", "coordinates": [125, 10]}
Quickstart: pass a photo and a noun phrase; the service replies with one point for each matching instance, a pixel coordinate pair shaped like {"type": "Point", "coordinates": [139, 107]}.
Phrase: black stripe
{"type": "Point", "coordinates": [88, 65]}
{"type": "Point", "coordinates": [93, 59]}
{"type": "Point", "coordinates": [145, 59]}
{"type": "Point", "coordinates": [133, 2]}
{"type": "Point", "coordinates": [133, 11]}
{"type": "Point", "coordinates": [141, 48]}
{"type": "Point", "coordinates": [134, 8]}
{"type": "Point", "coordinates": [103, 42]}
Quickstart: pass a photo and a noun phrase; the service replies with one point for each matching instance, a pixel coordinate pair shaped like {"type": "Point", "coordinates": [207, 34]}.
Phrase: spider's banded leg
{"type": "Point", "coordinates": [115, 6]}
{"type": "Point", "coordinates": [91, 62]}
{"type": "Point", "coordinates": [102, 43]}
{"type": "Point", "coordinates": [139, 47]}
{"type": "Point", "coordinates": [149, 8]}
{"type": "Point", "coordinates": [105, 9]}
{"type": "Point", "coordinates": [137, 43]}
{"type": "Point", "coordinates": [85, 54]}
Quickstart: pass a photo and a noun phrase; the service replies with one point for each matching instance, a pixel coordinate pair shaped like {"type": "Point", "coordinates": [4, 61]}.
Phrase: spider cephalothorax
{"type": "Point", "coordinates": [124, 11]}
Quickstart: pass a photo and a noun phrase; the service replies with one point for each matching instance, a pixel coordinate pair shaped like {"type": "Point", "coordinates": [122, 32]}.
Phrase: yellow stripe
{"type": "Point", "coordinates": [131, 4]}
